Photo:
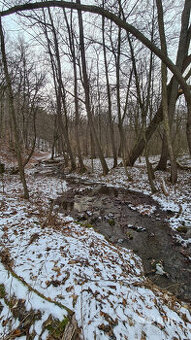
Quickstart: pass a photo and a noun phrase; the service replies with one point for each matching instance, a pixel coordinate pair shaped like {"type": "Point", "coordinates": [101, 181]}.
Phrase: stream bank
{"type": "Point", "coordinates": [134, 221]}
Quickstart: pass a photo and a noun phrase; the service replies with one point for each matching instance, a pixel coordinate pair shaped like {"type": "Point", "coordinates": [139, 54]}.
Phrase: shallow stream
{"type": "Point", "coordinates": [134, 221]}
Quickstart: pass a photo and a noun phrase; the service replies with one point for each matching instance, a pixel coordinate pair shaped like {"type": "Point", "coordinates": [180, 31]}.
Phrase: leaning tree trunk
{"type": "Point", "coordinates": [157, 119]}
{"type": "Point", "coordinates": [164, 93]}
{"type": "Point", "coordinates": [182, 53]}
{"type": "Point", "coordinates": [13, 114]}
{"type": "Point", "coordinates": [172, 92]}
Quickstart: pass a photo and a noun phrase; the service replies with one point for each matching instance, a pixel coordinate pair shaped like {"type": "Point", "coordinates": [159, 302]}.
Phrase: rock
{"type": "Point", "coordinates": [95, 218]}
{"type": "Point", "coordinates": [159, 268]}
{"type": "Point", "coordinates": [89, 213]}
{"type": "Point", "coordinates": [112, 238]}
{"type": "Point", "coordinates": [170, 212]}
{"type": "Point", "coordinates": [120, 240]}
{"type": "Point", "coordinates": [110, 215]}
{"type": "Point", "coordinates": [136, 228]}
{"type": "Point", "coordinates": [83, 204]}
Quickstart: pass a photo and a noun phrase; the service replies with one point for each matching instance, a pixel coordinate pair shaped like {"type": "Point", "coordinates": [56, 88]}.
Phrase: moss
{"type": "Point", "coordinates": [63, 323]}
{"type": "Point", "coordinates": [129, 235]}
{"type": "Point", "coordinates": [111, 222]}
{"type": "Point", "coordinates": [86, 225]}
{"type": "Point", "coordinates": [182, 229]}
{"type": "Point", "coordinates": [56, 328]}
{"type": "Point", "coordinates": [11, 302]}
{"type": "Point", "coordinates": [2, 291]}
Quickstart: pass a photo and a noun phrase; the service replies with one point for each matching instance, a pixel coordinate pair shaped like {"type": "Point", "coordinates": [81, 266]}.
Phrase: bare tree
{"type": "Point", "coordinates": [13, 114]}
{"type": "Point", "coordinates": [87, 95]}
{"type": "Point", "coordinates": [122, 23]}
{"type": "Point", "coordinates": [109, 110]}
{"type": "Point", "coordinates": [72, 48]}
{"type": "Point", "coordinates": [164, 93]}
{"type": "Point", "coordinates": [182, 56]}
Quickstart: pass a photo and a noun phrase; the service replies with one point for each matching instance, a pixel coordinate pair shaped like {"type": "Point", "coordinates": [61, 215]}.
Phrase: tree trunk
{"type": "Point", "coordinates": [13, 115]}
{"type": "Point", "coordinates": [164, 155]}
{"type": "Point", "coordinates": [109, 111]}
{"type": "Point", "coordinates": [60, 94]}
{"type": "Point", "coordinates": [140, 144]}
{"type": "Point", "coordinates": [164, 93]}
{"type": "Point", "coordinates": [77, 115]}
{"type": "Point", "coordinates": [144, 105]}
{"type": "Point", "coordinates": [87, 95]}
{"type": "Point", "coordinates": [181, 57]}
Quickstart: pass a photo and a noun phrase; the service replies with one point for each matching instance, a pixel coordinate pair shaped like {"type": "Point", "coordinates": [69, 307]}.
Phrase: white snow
{"type": "Point", "coordinates": [75, 266]}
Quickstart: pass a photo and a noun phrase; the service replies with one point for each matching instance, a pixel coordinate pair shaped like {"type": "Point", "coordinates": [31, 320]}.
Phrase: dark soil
{"type": "Point", "coordinates": [111, 212]}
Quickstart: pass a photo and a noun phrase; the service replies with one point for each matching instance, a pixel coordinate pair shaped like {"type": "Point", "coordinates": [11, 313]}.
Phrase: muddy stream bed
{"type": "Point", "coordinates": [134, 221]}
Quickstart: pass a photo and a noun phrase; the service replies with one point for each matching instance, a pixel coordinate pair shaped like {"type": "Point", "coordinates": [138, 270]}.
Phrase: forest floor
{"type": "Point", "coordinates": [93, 256]}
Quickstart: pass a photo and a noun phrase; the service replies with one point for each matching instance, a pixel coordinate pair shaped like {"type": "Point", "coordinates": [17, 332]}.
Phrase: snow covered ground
{"type": "Point", "coordinates": [55, 265]}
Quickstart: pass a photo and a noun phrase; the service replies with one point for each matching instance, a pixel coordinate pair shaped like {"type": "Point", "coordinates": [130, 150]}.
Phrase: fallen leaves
{"type": "Point", "coordinates": [6, 258]}
{"type": "Point", "coordinates": [55, 283]}
{"type": "Point", "coordinates": [33, 238]}
{"type": "Point", "coordinates": [16, 333]}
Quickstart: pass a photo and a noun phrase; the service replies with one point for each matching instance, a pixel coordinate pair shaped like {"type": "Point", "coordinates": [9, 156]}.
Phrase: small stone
{"type": "Point", "coordinates": [112, 239]}
{"type": "Point", "coordinates": [120, 240]}
{"type": "Point", "coordinates": [110, 215]}
{"type": "Point", "coordinates": [89, 213]}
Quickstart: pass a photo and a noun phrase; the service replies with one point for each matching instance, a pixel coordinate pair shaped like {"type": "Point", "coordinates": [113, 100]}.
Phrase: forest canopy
{"type": "Point", "coordinates": [97, 79]}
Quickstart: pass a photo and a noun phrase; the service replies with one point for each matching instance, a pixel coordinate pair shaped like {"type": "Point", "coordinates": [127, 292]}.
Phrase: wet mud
{"type": "Point", "coordinates": [134, 221]}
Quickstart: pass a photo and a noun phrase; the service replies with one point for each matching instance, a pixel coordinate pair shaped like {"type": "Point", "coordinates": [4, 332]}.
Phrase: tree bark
{"type": "Point", "coordinates": [60, 95]}
{"type": "Point", "coordinates": [112, 135]}
{"type": "Point", "coordinates": [164, 93]}
{"type": "Point", "coordinates": [182, 55]}
{"type": "Point", "coordinates": [87, 95]}
{"type": "Point", "coordinates": [77, 115]}
{"type": "Point", "coordinates": [144, 105]}
{"type": "Point", "coordinates": [13, 115]}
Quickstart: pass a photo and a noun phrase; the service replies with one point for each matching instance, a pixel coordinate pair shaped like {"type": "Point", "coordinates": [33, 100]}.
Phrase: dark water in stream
{"type": "Point", "coordinates": [111, 211]}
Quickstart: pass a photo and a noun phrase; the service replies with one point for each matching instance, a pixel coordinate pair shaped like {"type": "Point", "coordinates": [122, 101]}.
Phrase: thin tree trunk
{"type": "Point", "coordinates": [34, 140]}
{"type": "Point", "coordinates": [164, 93]}
{"type": "Point", "coordinates": [59, 93]}
{"type": "Point", "coordinates": [144, 105]}
{"type": "Point", "coordinates": [87, 95]}
{"type": "Point", "coordinates": [77, 115]}
{"type": "Point", "coordinates": [109, 111]}
{"type": "Point", "coordinates": [13, 114]}
{"type": "Point", "coordinates": [55, 137]}
{"type": "Point", "coordinates": [120, 122]}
